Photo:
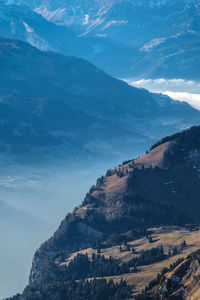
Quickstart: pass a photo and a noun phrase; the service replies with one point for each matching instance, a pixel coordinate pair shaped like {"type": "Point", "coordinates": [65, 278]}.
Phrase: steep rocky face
{"type": "Point", "coordinates": [180, 282]}
{"type": "Point", "coordinates": [162, 187]}
{"type": "Point", "coordinates": [66, 107]}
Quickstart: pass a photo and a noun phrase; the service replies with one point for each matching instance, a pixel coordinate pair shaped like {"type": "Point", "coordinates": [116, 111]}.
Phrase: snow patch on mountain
{"type": "Point", "coordinates": [28, 28]}
{"type": "Point", "coordinates": [35, 39]}
{"type": "Point", "coordinates": [157, 41]}
{"type": "Point", "coordinates": [51, 15]}
{"type": "Point", "coordinates": [86, 19]}
{"type": "Point", "coordinates": [153, 43]}
{"type": "Point", "coordinates": [114, 22]}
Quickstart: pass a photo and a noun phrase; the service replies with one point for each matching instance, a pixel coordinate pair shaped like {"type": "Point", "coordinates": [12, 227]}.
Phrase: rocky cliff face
{"type": "Point", "coordinates": [180, 282]}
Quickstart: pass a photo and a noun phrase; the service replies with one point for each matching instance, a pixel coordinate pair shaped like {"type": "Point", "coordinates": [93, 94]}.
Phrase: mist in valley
{"type": "Point", "coordinates": [34, 200]}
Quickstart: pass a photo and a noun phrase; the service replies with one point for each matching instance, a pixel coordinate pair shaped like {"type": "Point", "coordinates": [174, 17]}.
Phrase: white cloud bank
{"type": "Point", "coordinates": [177, 89]}
{"type": "Point", "coordinates": [192, 99]}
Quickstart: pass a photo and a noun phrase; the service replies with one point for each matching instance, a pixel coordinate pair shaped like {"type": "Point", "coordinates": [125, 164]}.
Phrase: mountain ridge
{"type": "Point", "coordinates": [51, 99]}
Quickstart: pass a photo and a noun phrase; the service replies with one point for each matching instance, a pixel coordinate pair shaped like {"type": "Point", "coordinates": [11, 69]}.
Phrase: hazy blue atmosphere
{"type": "Point", "coordinates": [85, 86]}
{"type": "Point", "coordinates": [33, 201]}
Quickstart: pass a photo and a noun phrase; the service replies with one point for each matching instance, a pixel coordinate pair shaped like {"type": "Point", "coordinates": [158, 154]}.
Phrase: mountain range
{"type": "Point", "coordinates": [58, 106]}
{"type": "Point", "coordinates": [120, 214]}
{"type": "Point", "coordinates": [150, 39]}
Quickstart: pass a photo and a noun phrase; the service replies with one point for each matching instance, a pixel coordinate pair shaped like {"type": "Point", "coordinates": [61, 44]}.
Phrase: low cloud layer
{"type": "Point", "coordinates": [178, 89]}
{"type": "Point", "coordinates": [192, 99]}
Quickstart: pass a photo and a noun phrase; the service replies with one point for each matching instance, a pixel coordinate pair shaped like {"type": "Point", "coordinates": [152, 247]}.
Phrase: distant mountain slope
{"type": "Point", "coordinates": [53, 105]}
{"type": "Point", "coordinates": [160, 188]}
{"type": "Point", "coordinates": [150, 38]}
{"type": "Point", "coordinates": [89, 17]}
{"type": "Point", "coordinates": [22, 23]}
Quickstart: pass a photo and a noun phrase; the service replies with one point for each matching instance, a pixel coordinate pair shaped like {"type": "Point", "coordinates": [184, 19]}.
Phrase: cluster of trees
{"type": "Point", "coordinates": [155, 211]}
{"type": "Point", "coordinates": [127, 247]}
{"type": "Point", "coordinates": [148, 257]}
{"type": "Point", "coordinates": [121, 172]}
{"type": "Point", "coordinates": [98, 266]}
{"type": "Point", "coordinates": [116, 238]}
{"type": "Point", "coordinates": [178, 248]}
{"type": "Point", "coordinates": [153, 255]}
{"type": "Point", "coordinates": [186, 140]}
{"type": "Point", "coordinates": [78, 290]}
{"type": "Point", "coordinates": [122, 169]}
{"type": "Point", "coordinates": [71, 282]}
{"type": "Point", "coordinates": [189, 137]}
{"type": "Point", "coordinates": [125, 162]}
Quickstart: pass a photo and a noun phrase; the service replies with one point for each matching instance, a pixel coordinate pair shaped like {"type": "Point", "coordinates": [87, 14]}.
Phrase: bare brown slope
{"type": "Point", "coordinates": [155, 158]}
{"type": "Point", "coordinates": [109, 191]}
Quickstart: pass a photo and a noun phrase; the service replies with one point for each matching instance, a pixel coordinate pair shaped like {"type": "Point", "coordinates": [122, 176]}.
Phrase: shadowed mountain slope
{"type": "Point", "coordinates": [53, 105]}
